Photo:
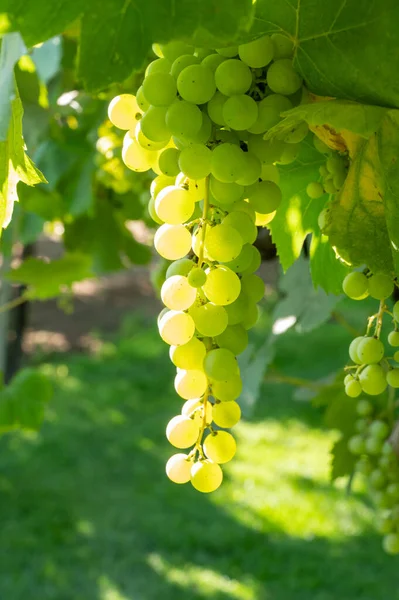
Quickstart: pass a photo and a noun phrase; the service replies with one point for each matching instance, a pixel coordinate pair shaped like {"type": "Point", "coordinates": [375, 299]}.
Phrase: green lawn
{"type": "Point", "coordinates": [88, 514]}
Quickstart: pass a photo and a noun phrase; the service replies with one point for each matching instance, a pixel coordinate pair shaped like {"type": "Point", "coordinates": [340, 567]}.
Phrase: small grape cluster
{"type": "Point", "coordinates": [333, 173]}
{"type": "Point", "coordinates": [372, 371]}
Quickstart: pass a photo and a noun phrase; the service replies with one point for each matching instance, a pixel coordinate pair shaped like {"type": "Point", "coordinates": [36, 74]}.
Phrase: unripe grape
{"type": "Point", "coordinates": [195, 161]}
{"type": "Point", "coordinates": [353, 350]}
{"type": "Point", "coordinates": [213, 61]}
{"type": "Point", "coordinates": [257, 54]}
{"type": "Point", "coordinates": [196, 84]}
{"type": "Point", "coordinates": [220, 364]}
{"type": "Point", "coordinates": [182, 266]}
{"type": "Point", "coordinates": [374, 446]}
{"type": "Point", "coordinates": [364, 408]}
{"type": "Point", "coordinates": [191, 384]}
{"type": "Point", "coordinates": [177, 293]}
{"type": "Point", "coordinates": [355, 286]}
{"type": "Point", "coordinates": [370, 350]}
{"type": "Point", "coordinates": [172, 50]}
{"type": "Point", "coordinates": [356, 444]}
{"type": "Point", "coordinates": [178, 468]}
{"type": "Point", "coordinates": [252, 170]}
{"type": "Point", "coordinates": [251, 316]}
{"type": "Point", "coordinates": [172, 241]}
{"type": "Point", "coordinates": [377, 479]}
{"type": "Point", "coordinates": [393, 338]}
{"type": "Point", "coordinates": [196, 277]}
{"type": "Point", "coordinates": [159, 89]}
{"type": "Point", "coordinates": [242, 261]}
{"type": "Point", "coordinates": [380, 286]}
{"type": "Point", "coordinates": [228, 163]}
{"type": "Point", "coordinates": [181, 62]}
{"type": "Point", "coordinates": [206, 476]}
{"type": "Point", "coordinates": [265, 197]}
{"type": "Point", "coordinates": [220, 447]}
{"type": "Point", "coordinates": [240, 112]}
{"type": "Point", "coordinates": [210, 319]}
{"type": "Point", "coordinates": [233, 77]}
{"type": "Point", "coordinates": [282, 79]}
{"type": "Point", "coordinates": [349, 377]}
{"type": "Point", "coordinates": [391, 543]}
{"type": "Point", "coordinates": [283, 46]}
{"type": "Point", "coordinates": [228, 52]}
{"type": "Point", "coordinates": [379, 430]}
{"type": "Point", "coordinates": [314, 190]}
{"type": "Point", "coordinates": [222, 286]}
{"type": "Point", "coordinates": [136, 157]}
{"type": "Point", "coordinates": [182, 432]}
{"type": "Point", "coordinates": [176, 328]}
{"type": "Point", "coordinates": [373, 380]}
{"type": "Point", "coordinates": [153, 124]}
{"type": "Point", "coordinates": [234, 338]}
{"type": "Point", "coordinates": [188, 356]}
{"type": "Point", "coordinates": [228, 390]}
{"type": "Point", "coordinates": [393, 378]}
{"type": "Point", "coordinates": [223, 242]}
{"type": "Point", "coordinates": [243, 223]}
{"type": "Point", "coordinates": [226, 414]}
{"type": "Point", "coordinates": [168, 162]}
{"type": "Point", "coordinates": [353, 389]}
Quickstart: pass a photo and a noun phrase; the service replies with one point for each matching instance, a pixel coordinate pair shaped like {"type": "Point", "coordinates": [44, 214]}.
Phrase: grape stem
{"type": "Point", "coordinates": [204, 223]}
{"type": "Point", "coordinates": [198, 446]}
{"type": "Point", "coordinates": [379, 316]}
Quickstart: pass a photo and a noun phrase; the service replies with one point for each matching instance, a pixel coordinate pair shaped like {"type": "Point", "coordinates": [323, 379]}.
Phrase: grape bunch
{"type": "Point", "coordinates": [371, 373]}
{"type": "Point", "coordinates": [333, 173]}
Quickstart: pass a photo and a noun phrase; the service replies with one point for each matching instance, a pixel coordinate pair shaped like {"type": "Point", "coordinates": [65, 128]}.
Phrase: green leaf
{"type": "Point", "coordinates": [12, 47]}
{"type": "Point", "coordinates": [47, 279]}
{"type": "Point", "coordinates": [23, 401]}
{"type": "Point", "coordinates": [78, 193]}
{"type": "Point", "coordinates": [342, 461]}
{"type": "Point", "coordinates": [343, 49]}
{"type": "Point", "coordinates": [327, 272]}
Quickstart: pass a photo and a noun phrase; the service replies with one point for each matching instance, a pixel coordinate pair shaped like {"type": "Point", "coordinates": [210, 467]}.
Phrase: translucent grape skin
{"type": "Point", "coordinates": [282, 79]}
{"type": "Point", "coordinates": [220, 447]}
{"type": "Point", "coordinates": [355, 286]}
{"type": "Point", "coordinates": [196, 84]}
{"type": "Point", "coordinates": [206, 476]}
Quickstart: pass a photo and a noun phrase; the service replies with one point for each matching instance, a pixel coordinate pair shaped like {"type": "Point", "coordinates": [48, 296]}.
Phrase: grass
{"type": "Point", "coordinates": [88, 514]}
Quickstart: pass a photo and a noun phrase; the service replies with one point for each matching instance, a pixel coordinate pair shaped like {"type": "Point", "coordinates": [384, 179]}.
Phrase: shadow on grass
{"type": "Point", "coordinates": [87, 513]}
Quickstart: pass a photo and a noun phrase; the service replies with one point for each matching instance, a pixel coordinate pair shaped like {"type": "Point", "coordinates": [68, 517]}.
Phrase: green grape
{"type": "Point", "coordinates": [353, 389]}
{"type": "Point", "coordinates": [159, 65]}
{"type": "Point", "coordinates": [206, 476]}
{"type": "Point", "coordinates": [370, 350]}
{"type": "Point", "coordinates": [196, 277]}
{"type": "Point", "coordinates": [282, 79]}
{"type": "Point", "coordinates": [257, 54]}
{"type": "Point", "coordinates": [396, 356]}
{"type": "Point", "coordinates": [123, 111]}
{"type": "Point", "coordinates": [191, 384]}
{"type": "Point", "coordinates": [182, 432]}
{"type": "Point", "coordinates": [243, 224]}
{"type": "Point", "coordinates": [363, 466]}
{"type": "Point", "coordinates": [361, 425]}
{"type": "Point", "coordinates": [297, 133]}
{"type": "Point", "coordinates": [228, 52]}
{"type": "Point", "coordinates": [176, 328]}
{"type": "Point", "coordinates": [178, 467]}
{"type": "Point", "coordinates": [269, 112]}
{"type": "Point", "coordinates": [233, 338]}
{"type": "Point", "coordinates": [245, 207]}
{"type": "Point", "coordinates": [252, 169]}
{"type": "Point", "coordinates": [153, 124]}
{"type": "Point", "coordinates": [268, 151]}
{"type": "Point", "coordinates": [145, 142]}
{"type": "Point", "coordinates": [142, 100]}
{"type": "Point", "coordinates": [237, 309]}
{"type": "Point", "coordinates": [223, 242]}
{"type": "Point", "coordinates": [379, 429]}
{"type": "Point", "coordinates": [183, 119]}
{"type": "Point", "coordinates": [355, 286]}
{"type": "Point", "coordinates": [196, 84]}
{"type": "Point", "coordinates": [329, 187]}
{"type": "Point", "coordinates": [270, 173]}
{"type": "Point", "coordinates": [195, 161]}
{"type": "Point", "coordinates": [173, 50]}
{"type": "Point", "coordinates": [364, 408]}
{"type": "Point", "coordinates": [188, 356]}
{"type": "Point", "coordinates": [381, 286]}
{"type": "Point", "coordinates": [240, 112]}
{"type": "Point", "coordinates": [254, 287]}
{"type": "Point", "coordinates": [323, 149]}
{"type": "Point", "coordinates": [390, 543]}
{"type": "Point", "coordinates": [255, 263]}
{"type": "Point", "coordinates": [396, 311]}
{"type": "Point", "coordinates": [215, 108]}
{"type": "Point", "coordinates": [339, 180]}
{"type": "Point", "coordinates": [289, 154]}
{"type": "Point", "coordinates": [220, 447]}
{"type": "Point", "coordinates": [210, 319]}
{"type": "Point", "coordinates": [172, 241]}
{"type": "Point", "coordinates": [174, 205]}
{"type": "Point", "coordinates": [283, 46]}
{"type": "Point", "coordinates": [168, 162]}
{"type": "Point", "coordinates": [152, 211]}
{"type": "Point", "coordinates": [228, 390]}
{"type": "Point", "coordinates": [242, 261]}
{"type": "Point", "coordinates": [225, 193]}
{"type": "Point", "coordinates": [226, 414]}
{"type": "Point", "coordinates": [159, 183]}
{"type": "Point", "coordinates": [393, 339]}
{"type": "Point", "coordinates": [353, 350]}
{"type": "Point", "coordinates": [251, 316]}
{"type": "Point", "coordinates": [195, 187]}
{"type": "Point", "coordinates": [137, 158]}
{"type": "Point", "coordinates": [198, 246]}
{"type": "Point", "coordinates": [160, 89]}
{"type": "Point", "coordinates": [265, 197]}
{"type": "Point", "coordinates": [356, 445]}
{"type": "Point", "coordinates": [335, 165]}
{"type": "Point", "coordinates": [377, 479]}
{"type": "Point", "coordinates": [314, 190]}
{"type": "Point", "coordinates": [222, 286]}
{"type": "Point", "coordinates": [220, 364]}
{"type": "Point", "coordinates": [373, 380]}
{"type": "Point", "coordinates": [182, 266]}
{"type": "Point", "coordinates": [233, 77]}
{"type": "Point", "coordinates": [181, 62]}
{"type": "Point", "coordinates": [177, 293]}
{"type": "Point", "coordinates": [213, 61]}
{"type": "Point", "coordinates": [195, 409]}
{"type": "Point", "coordinates": [393, 378]}
{"type": "Point", "coordinates": [349, 377]}
{"type": "Point", "coordinates": [228, 163]}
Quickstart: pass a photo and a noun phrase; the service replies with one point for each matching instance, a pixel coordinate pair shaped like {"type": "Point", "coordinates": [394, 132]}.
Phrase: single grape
{"type": "Point", "coordinates": [245, 207]}
{"type": "Point", "coordinates": [189, 356]}
{"type": "Point", "coordinates": [283, 46]}
{"type": "Point", "coordinates": [234, 338]}
{"type": "Point", "coordinates": [353, 348]}
{"type": "Point", "coordinates": [380, 286]}
{"type": "Point", "coordinates": [228, 390]}
{"type": "Point", "coordinates": [159, 183]}
{"type": "Point", "coordinates": [314, 190]}
{"type": "Point", "coordinates": [323, 149]}
{"type": "Point", "coordinates": [195, 187]}
{"type": "Point", "coordinates": [142, 100]}
{"type": "Point", "coordinates": [349, 377]}
{"type": "Point", "coordinates": [182, 432]}
{"type": "Point", "coordinates": [172, 50]}
{"type": "Point", "coordinates": [356, 286]}
{"type": "Point", "coordinates": [364, 408]}
{"type": "Point", "coordinates": [183, 119]}
{"type": "Point", "coordinates": [172, 241]}
{"type": "Point", "coordinates": [206, 476]}
{"type": "Point", "coordinates": [144, 142]}
{"type": "Point", "coordinates": [335, 164]}
{"type": "Point", "coordinates": [233, 77]}
{"type": "Point", "coordinates": [225, 193]}
{"type": "Point", "coordinates": [339, 180]}
{"type": "Point", "coordinates": [356, 445]}
{"type": "Point", "coordinates": [252, 170]}
{"type": "Point", "coordinates": [396, 311]}
{"type": "Point", "coordinates": [196, 277]}
{"type": "Point", "coordinates": [377, 479]}
{"type": "Point", "coordinates": [215, 108]}
{"type": "Point", "coordinates": [195, 161]}
{"type": "Point", "coordinates": [251, 316]}
{"type": "Point", "coordinates": [269, 112]}
{"type": "Point", "coordinates": [370, 350]}
{"type": "Point", "coordinates": [379, 429]}
{"type": "Point", "coordinates": [178, 468]}
{"type": "Point", "coordinates": [168, 162]}
{"type": "Point", "coordinates": [242, 261]}
{"type": "Point", "coordinates": [353, 389]}
{"type": "Point", "coordinates": [257, 54]}
{"type": "Point", "coordinates": [228, 163]}
{"type": "Point", "coordinates": [180, 267]}
{"type": "Point", "coordinates": [181, 62]}
{"type": "Point", "coordinates": [393, 338]}
{"type": "Point", "coordinates": [240, 112]}
{"type": "Point", "coordinates": [159, 89]}
{"type": "Point", "coordinates": [373, 380]}
{"type": "Point", "coordinates": [177, 293]}
{"type": "Point", "coordinates": [393, 378]}
{"type": "Point", "coordinates": [210, 320]}
{"type": "Point", "coordinates": [213, 61]}
{"type": "Point", "coordinates": [222, 286]}
{"type": "Point", "coordinates": [390, 543]}
{"type": "Point", "coordinates": [136, 157]}
{"type": "Point", "coordinates": [282, 79]}
{"type": "Point", "coordinates": [176, 328]}
{"type": "Point", "coordinates": [223, 242]}
{"type": "Point", "coordinates": [220, 364]}
{"type": "Point", "coordinates": [174, 205]}
{"type": "Point", "coordinates": [265, 197]}
{"type": "Point", "coordinates": [153, 124]}
{"type": "Point", "coordinates": [329, 186]}
{"type": "Point", "coordinates": [226, 414]}
{"type": "Point", "coordinates": [220, 447]}
{"type": "Point", "coordinates": [196, 84]}
{"type": "Point", "coordinates": [124, 111]}
{"type": "Point", "coordinates": [191, 384]}
{"type": "Point", "coordinates": [242, 223]}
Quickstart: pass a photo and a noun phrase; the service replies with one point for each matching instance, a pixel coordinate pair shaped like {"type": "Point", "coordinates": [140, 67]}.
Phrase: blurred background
{"type": "Point", "coordinates": [86, 510]}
